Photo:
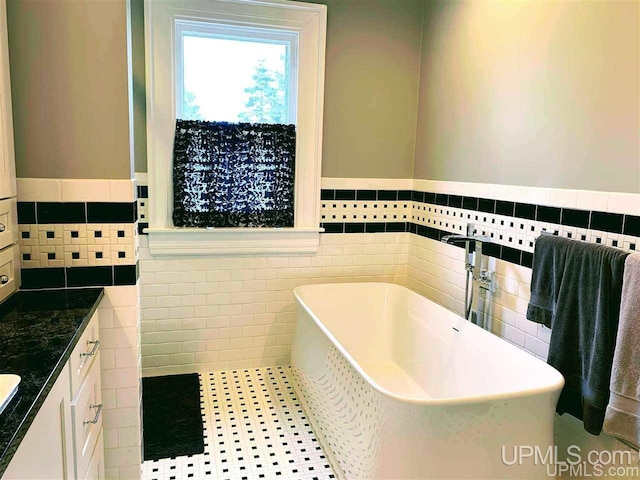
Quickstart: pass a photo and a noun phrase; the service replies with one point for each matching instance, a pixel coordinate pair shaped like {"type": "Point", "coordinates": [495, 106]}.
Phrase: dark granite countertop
{"type": "Point", "coordinates": [38, 332]}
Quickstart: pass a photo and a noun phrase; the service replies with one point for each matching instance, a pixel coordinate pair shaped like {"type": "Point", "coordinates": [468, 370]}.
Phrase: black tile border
{"type": "Point", "coordinates": [30, 213]}
{"type": "Point", "coordinates": [112, 212]}
{"type": "Point", "coordinates": [362, 227]}
{"type": "Point", "coordinates": [71, 277]}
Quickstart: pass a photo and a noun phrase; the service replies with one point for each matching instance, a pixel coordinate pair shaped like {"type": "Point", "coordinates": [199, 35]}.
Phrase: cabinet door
{"type": "Point", "coordinates": [96, 466]}
{"type": "Point", "coordinates": [45, 452]}
{"type": "Point", "coordinates": [86, 418]}
{"type": "Point", "coordinates": [7, 154]}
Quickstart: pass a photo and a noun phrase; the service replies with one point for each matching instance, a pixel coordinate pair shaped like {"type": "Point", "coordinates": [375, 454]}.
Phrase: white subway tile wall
{"type": "Point", "coordinates": [215, 313]}
{"type": "Point", "coordinates": [436, 270]}
{"type": "Point", "coordinates": [119, 319]}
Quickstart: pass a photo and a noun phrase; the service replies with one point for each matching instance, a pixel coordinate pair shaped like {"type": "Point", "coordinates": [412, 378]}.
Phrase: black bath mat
{"type": "Point", "coordinates": [172, 422]}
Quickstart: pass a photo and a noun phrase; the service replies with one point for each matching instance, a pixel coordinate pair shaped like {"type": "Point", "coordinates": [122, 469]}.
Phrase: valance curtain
{"type": "Point", "coordinates": [233, 174]}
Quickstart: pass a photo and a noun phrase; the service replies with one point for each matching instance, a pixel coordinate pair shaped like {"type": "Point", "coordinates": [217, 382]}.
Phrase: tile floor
{"type": "Point", "coordinates": [254, 428]}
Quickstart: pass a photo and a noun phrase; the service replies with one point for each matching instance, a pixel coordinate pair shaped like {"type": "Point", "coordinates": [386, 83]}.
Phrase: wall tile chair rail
{"type": "Point", "coordinates": [513, 225]}
{"type": "Point", "coordinates": [76, 244]}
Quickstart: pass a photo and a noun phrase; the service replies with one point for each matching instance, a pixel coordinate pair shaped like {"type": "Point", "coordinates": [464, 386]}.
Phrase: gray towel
{"type": "Point", "coordinates": [548, 265]}
{"type": "Point", "coordinates": [577, 290]}
{"type": "Point", "coordinates": [622, 419]}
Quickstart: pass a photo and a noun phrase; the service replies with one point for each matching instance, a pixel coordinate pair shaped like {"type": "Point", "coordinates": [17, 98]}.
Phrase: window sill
{"type": "Point", "coordinates": [232, 241]}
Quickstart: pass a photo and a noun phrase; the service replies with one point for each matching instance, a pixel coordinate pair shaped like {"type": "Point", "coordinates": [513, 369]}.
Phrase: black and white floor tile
{"type": "Point", "coordinates": [255, 428]}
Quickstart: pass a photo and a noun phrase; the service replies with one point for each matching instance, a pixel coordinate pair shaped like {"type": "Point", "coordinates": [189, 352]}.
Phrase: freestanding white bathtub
{"type": "Point", "coordinates": [398, 387]}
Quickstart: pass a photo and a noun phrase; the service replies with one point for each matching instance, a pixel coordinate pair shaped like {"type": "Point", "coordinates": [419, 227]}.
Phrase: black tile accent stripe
{"type": "Point", "coordinates": [548, 214]}
{"type": "Point", "coordinates": [111, 212]}
{"type": "Point", "coordinates": [606, 222]}
{"type": "Point", "coordinates": [365, 195]}
{"type": "Point", "coordinates": [57, 212]}
{"type": "Point", "coordinates": [389, 195]}
{"type": "Point", "coordinates": [505, 208]}
{"type": "Point", "coordinates": [27, 213]}
{"type": "Point", "coordinates": [455, 201]}
{"type": "Point", "coordinates": [327, 195]}
{"type": "Point", "coordinates": [360, 227]}
{"type": "Point", "coordinates": [143, 191]}
{"type": "Point", "coordinates": [345, 195]}
{"type": "Point", "coordinates": [486, 205]}
{"type": "Point", "coordinates": [442, 199]}
{"type": "Point", "coordinates": [470, 203]}
{"type": "Point", "coordinates": [419, 197]}
{"type": "Point", "coordinates": [66, 277]}
{"type": "Point", "coordinates": [575, 218]}
{"type": "Point", "coordinates": [89, 276]}
{"type": "Point", "coordinates": [353, 228]}
{"type": "Point", "coordinates": [526, 211]}
{"type": "Point", "coordinates": [405, 194]}
{"type": "Point", "coordinates": [76, 212]}
{"type": "Point", "coordinates": [33, 278]}
{"type": "Point", "coordinates": [632, 225]}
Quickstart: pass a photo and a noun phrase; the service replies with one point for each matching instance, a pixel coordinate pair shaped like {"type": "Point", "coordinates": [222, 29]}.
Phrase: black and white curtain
{"type": "Point", "coordinates": [233, 174]}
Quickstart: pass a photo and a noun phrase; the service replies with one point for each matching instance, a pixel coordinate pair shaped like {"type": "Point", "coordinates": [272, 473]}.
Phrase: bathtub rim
{"type": "Point", "coordinates": [447, 401]}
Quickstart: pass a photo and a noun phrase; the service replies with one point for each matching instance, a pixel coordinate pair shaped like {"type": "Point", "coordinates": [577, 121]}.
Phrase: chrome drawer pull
{"type": "Point", "coordinates": [96, 344]}
{"type": "Point", "coordinates": [95, 419]}
{"type": "Point", "coordinates": [2, 227]}
{"type": "Point", "coordinates": [4, 279]}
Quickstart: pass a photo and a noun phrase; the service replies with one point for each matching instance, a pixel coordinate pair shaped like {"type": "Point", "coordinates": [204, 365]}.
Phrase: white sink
{"type": "Point", "coordinates": [8, 388]}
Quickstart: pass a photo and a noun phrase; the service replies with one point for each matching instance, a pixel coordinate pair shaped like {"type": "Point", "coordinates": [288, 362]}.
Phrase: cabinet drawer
{"type": "Point", "coordinates": [9, 271]}
{"type": "Point", "coordinates": [86, 418]}
{"type": "Point", "coordinates": [8, 222]}
{"type": "Point", "coordinates": [95, 471]}
{"type": "Point", "coordinates": [85, 354]}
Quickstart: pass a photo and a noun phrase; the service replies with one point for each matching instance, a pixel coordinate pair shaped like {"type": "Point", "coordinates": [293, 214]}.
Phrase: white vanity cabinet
{"type": "Point", "coordinates": [9, 249]}
{"type": "Point", "coordinates": [7, 154]}
{"type": "Point", "coordinates": [46, 450]}
{"type": "Point", "coordinates": [65, 439]}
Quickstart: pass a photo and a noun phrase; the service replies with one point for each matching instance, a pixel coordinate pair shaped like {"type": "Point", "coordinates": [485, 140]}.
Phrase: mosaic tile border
{"type": "Point", "coordinates": [587, 219]}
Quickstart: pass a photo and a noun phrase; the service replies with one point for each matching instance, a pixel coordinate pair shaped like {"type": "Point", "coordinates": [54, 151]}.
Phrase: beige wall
{"type": "Point", "coordinates": [371, 88]}
{"type": "Point", "coordinates": [70, 88]}
{"type": "Point", "coordinates": [531, 93]}
{"type": "Point", "coordinates": [139, 88]}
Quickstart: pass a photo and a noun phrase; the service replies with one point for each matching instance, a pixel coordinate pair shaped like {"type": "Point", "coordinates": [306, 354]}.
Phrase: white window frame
{"type": "Point", "coordinates": [308, 21]}
{"type": "Point", "coordinates": [233, 32]}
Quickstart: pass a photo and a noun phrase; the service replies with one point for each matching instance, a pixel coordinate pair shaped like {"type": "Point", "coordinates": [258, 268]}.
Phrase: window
{"type": "Point", "coordinates": [258, 61]}
{"type": "Point", "coordinates": [235, 74]}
